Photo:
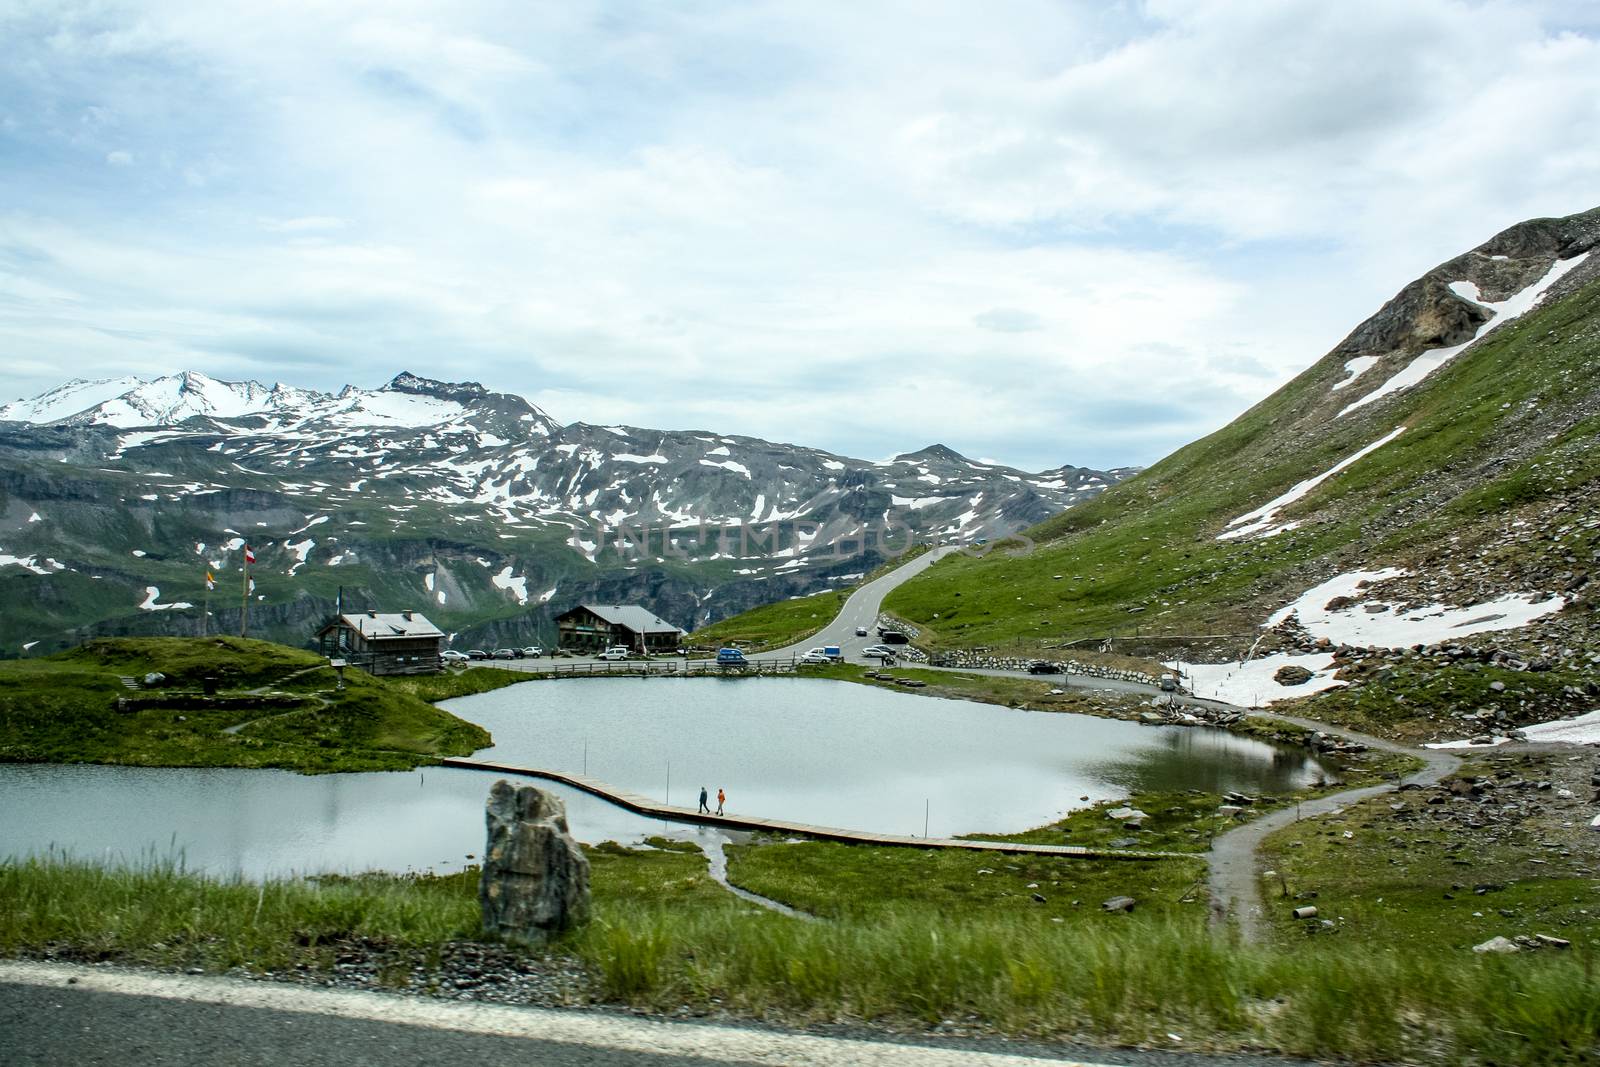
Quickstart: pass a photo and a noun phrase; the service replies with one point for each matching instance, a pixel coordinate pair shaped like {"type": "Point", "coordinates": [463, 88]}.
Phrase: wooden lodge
{"type": "Point", "coordinates": [596, 627]}
{"type": "Point", "coordinates": [378, 642]}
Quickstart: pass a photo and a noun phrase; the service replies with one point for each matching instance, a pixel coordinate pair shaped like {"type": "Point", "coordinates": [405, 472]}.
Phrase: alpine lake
{"type": "Point", "coordinates": [804, 750]}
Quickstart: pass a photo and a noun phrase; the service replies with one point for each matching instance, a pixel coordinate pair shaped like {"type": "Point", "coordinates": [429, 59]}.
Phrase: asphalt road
{"type": "Point", "coordinates": [58, 1014]}
{"type": "Point", "coordinates": [861, 611]}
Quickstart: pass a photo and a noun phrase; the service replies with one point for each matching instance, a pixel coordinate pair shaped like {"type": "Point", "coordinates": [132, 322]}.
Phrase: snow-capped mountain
{"type": "Point", "coordinates": [472, 502]}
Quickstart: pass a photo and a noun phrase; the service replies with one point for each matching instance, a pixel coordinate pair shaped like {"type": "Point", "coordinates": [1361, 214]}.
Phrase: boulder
{"type": "Point", "coordinates": [1292, 674]}
{"type": "Point", "coordinates": [1118, 904]}
{"type": "Point", "coordinates": [535, 880]}
{"type": "Point", "coordinates": [1497, 945]}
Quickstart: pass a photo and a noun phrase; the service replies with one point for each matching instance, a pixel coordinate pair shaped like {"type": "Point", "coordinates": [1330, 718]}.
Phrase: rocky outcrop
{"type": "Point", "coordinates": [535, 881]}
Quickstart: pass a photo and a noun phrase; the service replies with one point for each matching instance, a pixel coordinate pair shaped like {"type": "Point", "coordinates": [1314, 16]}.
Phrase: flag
{"type": "Point", "coordinates": [249, 556]}
{"type": "Point", "coordinates": [211, 580]}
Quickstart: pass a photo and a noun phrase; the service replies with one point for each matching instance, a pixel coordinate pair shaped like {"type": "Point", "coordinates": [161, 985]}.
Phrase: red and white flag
{"type": "Point", "coordinates": [249, 556]}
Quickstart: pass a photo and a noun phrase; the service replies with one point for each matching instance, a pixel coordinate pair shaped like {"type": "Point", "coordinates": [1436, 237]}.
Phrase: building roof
{"type": "Point", "coordinates": [630, 616]}
{"type": "Point", "coordinates": [381, 625]}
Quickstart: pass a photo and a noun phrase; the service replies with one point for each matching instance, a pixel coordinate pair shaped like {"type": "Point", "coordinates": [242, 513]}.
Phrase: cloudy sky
{"type": "Point", "coordinates": [1037, 232]}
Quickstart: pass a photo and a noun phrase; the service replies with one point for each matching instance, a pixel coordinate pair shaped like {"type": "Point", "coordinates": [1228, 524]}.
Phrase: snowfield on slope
{"type": "Point", "coordinates": [1251, 683]}
{"type": "Point", "coordinates": [1583, 730]}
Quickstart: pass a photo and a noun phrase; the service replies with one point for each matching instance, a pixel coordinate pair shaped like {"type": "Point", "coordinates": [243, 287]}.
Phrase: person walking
{"type": "Point", "coordinates": [704, 807]}
{"type": "Point", "coordinates": [722, 798]}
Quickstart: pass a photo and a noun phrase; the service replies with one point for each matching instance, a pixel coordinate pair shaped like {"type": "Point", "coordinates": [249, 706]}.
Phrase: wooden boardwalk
{"type": "Point", "coordinates": [654, 809]}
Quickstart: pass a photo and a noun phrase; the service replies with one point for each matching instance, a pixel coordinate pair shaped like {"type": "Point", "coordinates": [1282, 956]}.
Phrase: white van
{"type": "Point", "coordinates": [615, 652]}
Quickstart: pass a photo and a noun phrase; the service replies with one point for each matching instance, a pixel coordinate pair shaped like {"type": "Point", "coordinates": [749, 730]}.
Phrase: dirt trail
{"type": "Point", "coordinates": [1235, 887]}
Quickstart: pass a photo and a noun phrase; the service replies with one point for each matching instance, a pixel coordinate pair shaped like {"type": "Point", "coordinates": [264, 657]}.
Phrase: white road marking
{"type": "Point", "coordinates": [590, 1029]}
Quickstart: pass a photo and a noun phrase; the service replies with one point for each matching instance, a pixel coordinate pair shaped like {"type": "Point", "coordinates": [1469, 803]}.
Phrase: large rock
{"type": "Point", "coordinates": [535, 880]}
{"type": "Point", "coordinates": [1292, 674]}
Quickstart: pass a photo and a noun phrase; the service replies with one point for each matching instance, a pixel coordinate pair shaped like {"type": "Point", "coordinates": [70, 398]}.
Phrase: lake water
{"type": "Point", "coordinates": [808, 750]}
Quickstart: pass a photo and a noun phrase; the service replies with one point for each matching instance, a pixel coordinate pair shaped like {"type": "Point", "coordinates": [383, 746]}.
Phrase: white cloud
{"type": "Point", "coordinates": [1078, 233]}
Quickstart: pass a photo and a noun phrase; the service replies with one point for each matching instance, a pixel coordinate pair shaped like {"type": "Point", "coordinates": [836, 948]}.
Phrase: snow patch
{"type": "Point", "coordinates": [1355, 368]}
{"type": "Point", "coordinates": [517, 587]}
{"type": "Point", "coordinates": [30, 563]}
{"type": "Point", "coordinates": [737, 468]}
{"type": "Point", "coordinates": [301, 550]}
{"type": "Point", "coordinates": [1403, 627]}
{"type": "Point", "coordinates": [1261, 519]}
{"type": "Point", "coordinates": [1251, 684]}
{"type": "Point", "coordinates": [151, 595]}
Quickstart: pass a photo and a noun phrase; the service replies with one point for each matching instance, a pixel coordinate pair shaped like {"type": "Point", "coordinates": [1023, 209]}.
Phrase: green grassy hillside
{"type": "Point", "coordinates": [273, 706]}
{"type": "Point", "coordinates": [1492, 486]}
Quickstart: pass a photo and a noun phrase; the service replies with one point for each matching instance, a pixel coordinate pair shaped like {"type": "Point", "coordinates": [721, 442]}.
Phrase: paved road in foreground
{"type": "Point", "coordinates": [113, 1016]}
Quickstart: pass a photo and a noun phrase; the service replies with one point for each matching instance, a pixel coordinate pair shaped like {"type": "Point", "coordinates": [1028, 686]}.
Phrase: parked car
{"type": "Point", "coordinates": [893, 637]}
{"type": "Point", "coordinates": [450, 655]}
{"type": "Point", "coordinates": [1043, 666]}
{"type": "Point", "coordinates": [477, 653]}
{"type": "Point", "coordinates": [615, 652]}
{"type": "Point", "coordinates": [1169, 684]}
{"type": "Point", "coordinates": [883, 652]}
{"type": "Point", "coordinates": [731, 657]}
{"type": "Point", "coordinates": [861, 631]}
{"type": "Point", "coordinates": [815, 656]}
{"type": "Point", "coordinates": [506, 653]}
{"type": "Point", "coordinates": [532, 651]}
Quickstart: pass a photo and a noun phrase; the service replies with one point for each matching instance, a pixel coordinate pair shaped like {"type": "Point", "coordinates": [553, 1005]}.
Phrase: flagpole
{"type": "Point", "coordinates": [205, 613]}
{"type": "Point", "coordinates": [244, 596]}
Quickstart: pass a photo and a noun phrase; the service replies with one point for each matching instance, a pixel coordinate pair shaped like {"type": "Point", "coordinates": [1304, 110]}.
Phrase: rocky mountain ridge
{"type": "Point", "coordinates": [448, 497]}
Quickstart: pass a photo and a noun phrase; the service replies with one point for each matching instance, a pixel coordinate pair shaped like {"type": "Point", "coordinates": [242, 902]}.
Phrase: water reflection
{"type": "Point", "coordinates": [1213, 761]}
{"type": "Point", "coordinates": [268, 822]}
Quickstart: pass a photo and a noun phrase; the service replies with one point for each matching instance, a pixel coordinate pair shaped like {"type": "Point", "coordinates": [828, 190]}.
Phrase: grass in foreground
{"type": "Point", "coordinates": [664, 937]}
{"type": "Point", "coordinates": [1448, 874]}
{"type": "Point", "coordinates": [860, 882]}
{"type": "Point", "coordinates": [280, 703]}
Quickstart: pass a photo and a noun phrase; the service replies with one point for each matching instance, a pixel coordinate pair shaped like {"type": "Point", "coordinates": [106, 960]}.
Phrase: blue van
{"type": "Point", "coordinates": [730, 657]}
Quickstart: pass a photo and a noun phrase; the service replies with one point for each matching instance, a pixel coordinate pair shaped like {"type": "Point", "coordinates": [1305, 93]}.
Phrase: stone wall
{"type": "Point", "coordinates": [962, 657]}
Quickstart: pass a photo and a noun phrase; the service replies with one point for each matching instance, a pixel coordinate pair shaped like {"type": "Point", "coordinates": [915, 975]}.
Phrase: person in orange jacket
{"type": "Point", "coordinates": [721, 799]}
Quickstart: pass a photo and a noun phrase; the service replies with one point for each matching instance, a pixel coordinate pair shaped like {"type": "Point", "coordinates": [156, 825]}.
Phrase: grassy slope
{"type": "Point", "coordinates": [63, 708]}
{"type": "Point", "coordinates": [775, 625]}
{"type": "Point", "coordinates": [788, 621]}
{"type": "Point", "coordinates": [1150, 543]}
